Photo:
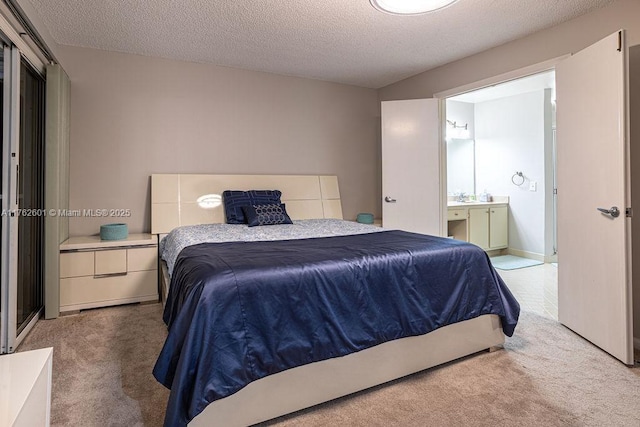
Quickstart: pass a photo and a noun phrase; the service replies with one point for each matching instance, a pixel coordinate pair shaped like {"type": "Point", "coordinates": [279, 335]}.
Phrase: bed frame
{"type": "Point", "coordinates": [174, 198]}
{"type": "Point", "coordinates": [174, 203]}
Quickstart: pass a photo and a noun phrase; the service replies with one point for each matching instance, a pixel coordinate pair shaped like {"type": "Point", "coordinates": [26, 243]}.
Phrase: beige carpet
{"type": "Point", "coordinates": [545, 376]}
{"type": "Point", "coordinates": [102, 362]}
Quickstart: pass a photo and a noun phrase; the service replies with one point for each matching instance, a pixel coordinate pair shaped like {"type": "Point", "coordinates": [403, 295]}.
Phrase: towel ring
{"type": "Point", "coordinates": [515, 180]}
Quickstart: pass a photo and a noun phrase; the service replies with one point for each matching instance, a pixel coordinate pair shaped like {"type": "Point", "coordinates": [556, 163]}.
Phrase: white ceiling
{"type": "Point", "coordinates": [345, 41]}
{"type": "Point", "coordinates": [540, 81]}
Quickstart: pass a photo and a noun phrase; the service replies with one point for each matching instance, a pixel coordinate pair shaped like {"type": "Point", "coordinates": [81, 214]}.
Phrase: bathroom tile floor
{"type": "Point", "coordinates": [535, 288]}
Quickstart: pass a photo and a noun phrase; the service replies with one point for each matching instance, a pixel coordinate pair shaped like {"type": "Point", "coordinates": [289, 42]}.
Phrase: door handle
{"type": "Point", "coordinates": [389, 200]}
{"type": "Point", "coordinates": [614, 211]}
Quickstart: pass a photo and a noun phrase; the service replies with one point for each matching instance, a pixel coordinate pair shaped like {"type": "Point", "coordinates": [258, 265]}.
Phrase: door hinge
{"type": "Point", "coordinates": [555, 191]}
{"type": "Point", "coordinates": [629, 212]}
{"type": "Point", "coordinates": [619, 41]}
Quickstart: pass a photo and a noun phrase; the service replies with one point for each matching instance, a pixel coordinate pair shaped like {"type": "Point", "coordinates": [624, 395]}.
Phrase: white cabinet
{"type": "Point", "coordinates": [488, 227]}
{"type": "Point", "coordinates": [97, 273]}
{"type": "Point", "coordinates": [25, 388]}
{"type": "Point", "coordinates": [479, 227]}
{"type": "Point", "coordinates": [498, 227]}
{"type": "Point", "coordinates": [457, 223]}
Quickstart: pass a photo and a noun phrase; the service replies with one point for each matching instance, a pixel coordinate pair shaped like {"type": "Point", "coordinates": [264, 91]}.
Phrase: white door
{"type": "Point", "coordinates": [594, 281]}
{"type": "Point", "coordinates": [411, 167]}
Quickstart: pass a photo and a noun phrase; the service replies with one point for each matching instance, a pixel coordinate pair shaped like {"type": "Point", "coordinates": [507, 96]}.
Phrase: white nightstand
{"type": "Point", "coordinates": [99, 273]}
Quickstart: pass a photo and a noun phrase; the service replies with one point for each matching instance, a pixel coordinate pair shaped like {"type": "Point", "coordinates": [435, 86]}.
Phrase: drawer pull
{"type": "Point", "coordinates": [102, 276]}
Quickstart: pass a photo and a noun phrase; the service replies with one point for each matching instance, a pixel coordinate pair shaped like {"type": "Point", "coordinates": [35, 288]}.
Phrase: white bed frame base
{"type": "Point", "coordinates": [319, 382]}
{"type": "Point", "coordinates": [305, 386]}
{"type": "Point", "coordinates": [173, 203]}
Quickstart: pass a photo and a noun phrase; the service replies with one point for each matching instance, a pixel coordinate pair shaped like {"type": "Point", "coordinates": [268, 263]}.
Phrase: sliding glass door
{"type": "Point", "coordinates": [30, 196]}
{"type": "Point", "coordinates": [7, 292]}
{"type": "Point", "coordinates": [22, 220]}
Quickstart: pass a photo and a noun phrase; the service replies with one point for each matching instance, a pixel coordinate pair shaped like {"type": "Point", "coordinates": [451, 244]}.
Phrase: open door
{"type": "Point", "coordinates": [411, 166]}
{"type": "Point", "coordinates": [594, 250]}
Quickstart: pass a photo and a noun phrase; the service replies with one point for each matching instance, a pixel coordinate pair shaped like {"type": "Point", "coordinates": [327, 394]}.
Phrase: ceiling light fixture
{"type": "Point", "coordinates": [410, 7]}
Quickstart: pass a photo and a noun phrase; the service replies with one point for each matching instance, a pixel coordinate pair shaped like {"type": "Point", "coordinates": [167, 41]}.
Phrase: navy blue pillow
{"type": "Point", "coordinates": [234, 201]}
{"type": "Point", "coordinates": [270, 214]}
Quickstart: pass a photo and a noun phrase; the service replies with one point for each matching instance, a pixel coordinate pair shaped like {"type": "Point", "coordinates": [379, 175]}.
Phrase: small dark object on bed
{"type": "Point", "coordinates": [271, 214]}
{"type": "Point", "coordinates": [234, 200]}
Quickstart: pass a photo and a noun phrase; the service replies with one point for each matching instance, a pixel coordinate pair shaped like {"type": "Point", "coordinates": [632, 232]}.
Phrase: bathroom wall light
{"type": "Point", "coordinates": [456, 131]}
{"type": "Point", "coordinates": [410, 7]}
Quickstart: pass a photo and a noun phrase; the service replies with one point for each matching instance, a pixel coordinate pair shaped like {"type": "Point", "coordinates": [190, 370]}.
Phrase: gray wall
{"type": "Point", "coordinates": [569, 37]}
{"type": "Point", "coordinates": [132, 116]}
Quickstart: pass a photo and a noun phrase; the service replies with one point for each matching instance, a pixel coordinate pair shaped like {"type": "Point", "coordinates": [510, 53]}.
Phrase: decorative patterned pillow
{"type": "Point", "coordinates": [271, 214]}
{"type": "Point", "coordinates": [234, 200]}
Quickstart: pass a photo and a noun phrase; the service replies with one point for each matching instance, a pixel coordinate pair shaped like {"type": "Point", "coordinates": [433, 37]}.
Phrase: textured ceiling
{"type": "Point", "coordinates": [345, 41]}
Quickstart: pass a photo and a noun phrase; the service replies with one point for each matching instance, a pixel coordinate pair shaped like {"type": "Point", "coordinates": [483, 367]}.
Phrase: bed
{"type": "Point", "coordinates": [264, 324]}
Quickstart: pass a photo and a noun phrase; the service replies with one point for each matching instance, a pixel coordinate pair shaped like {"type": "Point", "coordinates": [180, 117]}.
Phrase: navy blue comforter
{"type": "Point", "coordinates": [241, 311]}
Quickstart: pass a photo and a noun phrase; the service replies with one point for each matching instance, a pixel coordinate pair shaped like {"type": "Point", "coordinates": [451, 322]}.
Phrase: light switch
{"type": "Point", "coordinates": [533, 186]}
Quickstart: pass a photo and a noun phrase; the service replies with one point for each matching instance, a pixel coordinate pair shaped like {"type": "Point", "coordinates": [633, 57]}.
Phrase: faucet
{"type": "Point", "coordinates": [462, 196]}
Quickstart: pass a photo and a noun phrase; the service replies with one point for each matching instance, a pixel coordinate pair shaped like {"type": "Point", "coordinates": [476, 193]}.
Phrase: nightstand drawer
{"type": "Point", "coordinates": [111, 262]}
{"type": "Point", "coordinates": [140, 259]}
{"type": "Point", "coordinates": [77, 293]}
{"type": "Point", "coordinates": [76, 264]}
{"type": "Point", "coordinates": [456, 214]}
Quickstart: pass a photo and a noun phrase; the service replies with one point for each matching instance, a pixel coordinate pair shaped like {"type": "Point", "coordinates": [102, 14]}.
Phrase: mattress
{"type": "Point", "coordinates": [182, 237]}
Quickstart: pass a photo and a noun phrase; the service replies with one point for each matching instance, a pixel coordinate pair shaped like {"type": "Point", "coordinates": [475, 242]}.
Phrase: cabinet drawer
{"type": "Point", "coordinates": [76, 264]}
{"type": "Point", "coordinates": [111, 262]}
{"type": "Point", "coordinates": [456, 214]}
{"type": "Point", "coordinates": [141, 259]}
{"type": "Point", "coordinates": [83, 292]}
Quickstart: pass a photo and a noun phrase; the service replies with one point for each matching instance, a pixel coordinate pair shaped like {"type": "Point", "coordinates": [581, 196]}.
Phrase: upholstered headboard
{"type": "Point", "coordinates": [188, 199]}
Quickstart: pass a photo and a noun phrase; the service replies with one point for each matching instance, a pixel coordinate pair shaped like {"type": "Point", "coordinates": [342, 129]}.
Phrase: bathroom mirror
{"type": "Point", "coordinates": [461, 166]}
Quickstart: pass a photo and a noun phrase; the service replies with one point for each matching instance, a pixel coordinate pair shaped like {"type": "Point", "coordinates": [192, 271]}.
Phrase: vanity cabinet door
{"type": "Point", "coordinates": [479, 227]}
{"type": "Point", "coordinates": [498, 225]}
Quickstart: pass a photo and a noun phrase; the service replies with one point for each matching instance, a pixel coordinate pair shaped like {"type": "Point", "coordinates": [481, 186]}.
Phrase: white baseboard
{"type": "Point", "coordinates": [532, 255]}
{"type": "Point", "coordinates": [526, 254]}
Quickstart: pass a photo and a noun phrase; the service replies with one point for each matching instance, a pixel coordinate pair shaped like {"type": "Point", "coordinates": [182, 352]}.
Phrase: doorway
{"type": "Point", "coordinates": [501, 146]}
{"type": "Point", "coordinates": [594, 179]}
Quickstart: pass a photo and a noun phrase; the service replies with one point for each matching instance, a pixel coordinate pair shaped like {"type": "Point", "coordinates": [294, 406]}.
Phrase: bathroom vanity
{"type": "Point", "coordinates": [482, 223]}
